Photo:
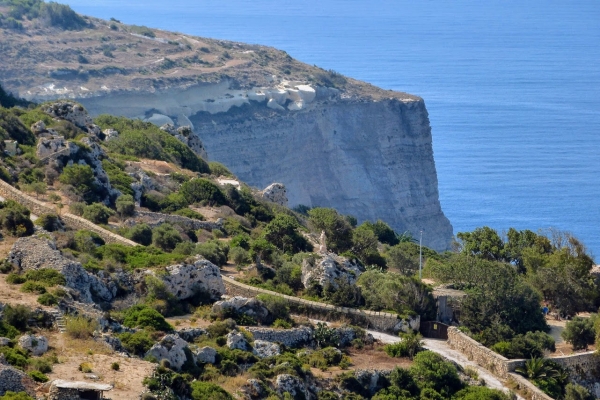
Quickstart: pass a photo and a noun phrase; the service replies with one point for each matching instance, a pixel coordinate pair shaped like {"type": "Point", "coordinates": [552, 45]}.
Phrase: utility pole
{"type": "Point", "coordinates": [421, 255]}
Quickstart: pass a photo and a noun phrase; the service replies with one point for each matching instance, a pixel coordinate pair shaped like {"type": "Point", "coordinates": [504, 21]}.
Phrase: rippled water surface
{"type": "Point", "coordinates": [512, 89]}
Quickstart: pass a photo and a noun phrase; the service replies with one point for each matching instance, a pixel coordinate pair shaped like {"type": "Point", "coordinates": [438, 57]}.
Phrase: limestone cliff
{"type": "Point", "coordinates": [368, 158]}
{"type": "Point", "coordinates": [331, 140]}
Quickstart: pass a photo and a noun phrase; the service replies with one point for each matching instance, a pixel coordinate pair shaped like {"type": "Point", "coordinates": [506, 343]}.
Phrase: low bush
{"type": "Point", "coordinates": [187, 212]}
{"type": "Point", "coordinates": [16, 396]}
{"type": "Point", "coordinates": [47, 299]}
{"type": "Point", "coordinates": [277, 306]}
{"type": "Point", "coordinates": [15, 279]}
{"type": "Point", "coordinates": [141, 234]}
{"type": "Point", "coordinates": [48, 276]}
{"type": "Point", "coordinates": [214, 251]}
{"type": "Point", "coordinates": [97, 213]}
{"type": "Point", "coordinates": [38, 376]}
{"type": "Point", "coordinates": [85, 367]}
{"type": "Point", "coordinates": [33, 287]}
{"type": "Point", "coordinates": [209, 391]}
{"type": "Point", "coordinates": [49, 222]}
{"type": "Point", "coordinates": [579, 332]}
{"type": "Point", "coordinates": [17, 316]}
{"type": "Point", "coordinates": [165, 237]}
{"type": "Point", "coordinates": [80, 327]}
{"type": "Point", "coordinates": [409, 346]}
{"type": "Point", "coordinates": [138, 342]}
{"type": "Point", "coordinates": [144, 316]}
{"type": "Point", "coordinates": [115, 366]}
{"type": "Point", "coordinates": [530, 345]}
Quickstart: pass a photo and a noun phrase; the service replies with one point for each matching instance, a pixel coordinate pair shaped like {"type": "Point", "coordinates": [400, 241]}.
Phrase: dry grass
{"type": "Point", "coordinates": [232, 384]}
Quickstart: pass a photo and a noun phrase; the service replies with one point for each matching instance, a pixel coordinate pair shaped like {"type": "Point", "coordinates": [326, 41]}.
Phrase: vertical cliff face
{"type": "Point", "coordinates": [370, 159]}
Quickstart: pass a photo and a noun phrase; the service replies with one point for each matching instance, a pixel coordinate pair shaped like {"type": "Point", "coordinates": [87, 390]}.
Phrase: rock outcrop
{"type": "Point", "coordinates": [276, 193]}
{"type": "Point", "coordinates": [238, 305]}
{"type": "Point", "coordinates": [330, 269]}
{"type": "Point", "coordinates": [14, 380]}
{"type": "Point", "coordinates": [206, 355]}
{"type": "Point", "coordinates": [235, 340]}
{"type": "Point", "coordinates": [264, 349]}
{"type": "Point", "coordinates": [35, 252]}
{"type": "Point", "coordinates": [294, 337]}
{"type": "Point", "coordinates": [171, 348]}
{"type": "Point", "coordinates": [187, 280]}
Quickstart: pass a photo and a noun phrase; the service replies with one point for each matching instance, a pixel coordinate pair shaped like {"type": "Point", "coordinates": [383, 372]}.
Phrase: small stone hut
{"type": "Point", "coordinates": [448, 304]}
{"type": "Point", "coordinates": [76, 390]}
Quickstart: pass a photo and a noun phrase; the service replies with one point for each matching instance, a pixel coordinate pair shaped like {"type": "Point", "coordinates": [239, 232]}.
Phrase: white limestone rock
{"type": "Point", "coordinates": [328, 269]}
{"type": "Point", "coordinates": [272, 103]}
{"type": "Point", "coordinates": [276, 193]}
{"type": "Point", "coordinates": [38, 127]}
{"type": "Point", "coordinates": [52, 145]}
{"type": "Point", "coordinates": [4, 341]}
{"type": "Point", "coordinates": [172, 348]}
{"type": "Point", "coordinates": [206, 355]}
{"type": "Point", "coordinates": [251, 307]}
{"type": "Point", "coordinates": [69, 111]}
{"type": "Point", "coordinates": [37, 345]}
{"type": "Point", "coordinates": [235, 340]}
{"type": "Point", "coordinates": [110, 134]}
{"type": "Point", "coordinates": [264, 349]}
{"type": "Point", "coordinates": [184, 280]}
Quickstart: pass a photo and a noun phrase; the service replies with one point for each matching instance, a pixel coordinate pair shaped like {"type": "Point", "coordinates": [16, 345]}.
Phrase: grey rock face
{"type": "Point", "coordinates": [372, 380]}
{"type": "Point", "coordinates": [38, 345]}
{"type": "Point", "coordinates": [4, 341]}
{"type": "Point", "coordinates": [276, 193]}
{"type": "Point", "coordinates": [293, 385]}
{"type": "Point", "coordinates": [11, 379]}
{"type": "Point", "coordinates": [171, 348]}
{"type": "Point", "coordinates": [328, 269]}
{"type": "Point", "coordinates": [37, 252]}
{"type": "Point", "coordinates": [254, 389]}
{"type": "Point", "coordinates": [69, 111]}
{"type": "Point", "coordinates": [190, 334]}
{"type": "Point", "coordinates": [242, 305]}
{"type": "Point", "coordinates": [264, 349]}
{"type": "Point", "coordinates": [235, 340]}
{"type": "Point", "coordinates": [206, 355]}
{"type": "Point", "coordinates": [184, 280]}
{"type": "Point", "coordinates": [367, 159]}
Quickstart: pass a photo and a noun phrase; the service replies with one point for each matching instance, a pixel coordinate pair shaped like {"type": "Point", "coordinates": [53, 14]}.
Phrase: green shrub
{"type": "Point", "coordinates": [219, 328]}
{"type": "Point", "coordinates": [579, 332]}
{"type": "Point", "coordinates": [187, 212]}
{"type": "Point", "coordinates": [85, 367]}
{"type": "Point", "coordinates": [38, 376]}
{"type": "Point", "coordinates": [214, 251]}
{"type": "Point", "coordinates": [33, 287]}
{"type": "Point", "coordinates": [80, 327]}
{"type": "Point", "coordinates": [77, 208]}
{"type": "Point", "coordinates": [277, 306]}
{"type": "Point", "coordinates": [117, 176]}
{"type": "Point", "coordinates": [15, 279]}
{"type": "Point", "coordinates": [138, 342]}
{"type": "Point", "coordinates": [17, 316]}
{"type": "Point", "coordinates": [431, 371]}
{"type": "Point", "coordinates": [97, 213]}
{"type": "Point", "coordinates": [87, 241]}
{"type": "Point", "coordinates": [208, 391]}
{"type": "Point", "coordinates": [7, 330]}
{"type": "Point", "coordinates": [480, 393]}
{"type": "Point", "coordinates": [49, 222]}
{"type": "Point", "coordinates": [141, 234]}
{"type": "Point", "coordinates": [14, 219]}
{"type": "Point", "coordinates": [47, 299]}
{"type": "Point", "coordinates": [202, 190]}
{"type": "Point", "coordinates": [144, 316]}
{"type": "Point", "coordinates": [410, 345]}
{"type": "Point", "coordinates": [15, 356]}
{"type": "Point", "coordinates": [146, 140]}
{"type": "Point", "coordinates": [218, 169]}
{"type": "Point", "coordinates": [48, 276]}
{"type": "Point", "coordinates": [115, 366]}
{"type": "Point", "coordinates": [166, 237]}
{"type": "Point", "coordinates": [125, 205]}
{"type": "Point", "coordinates": [530, 345]}
{"type": "Point", "coordinates": [16, 396]}
{"type": "Point", "coordinates": [81, 177]}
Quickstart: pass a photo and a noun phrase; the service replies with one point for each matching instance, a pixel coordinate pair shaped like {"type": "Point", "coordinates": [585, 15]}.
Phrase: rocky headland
{"type": "Point", "coordinates": [331, 140]}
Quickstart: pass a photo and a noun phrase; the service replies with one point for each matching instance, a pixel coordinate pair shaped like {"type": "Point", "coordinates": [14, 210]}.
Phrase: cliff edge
{"type": "Point", "coordinates": [333, 141]}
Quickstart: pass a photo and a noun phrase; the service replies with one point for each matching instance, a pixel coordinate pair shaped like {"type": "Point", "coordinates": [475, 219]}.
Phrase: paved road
{"type": "Point", "coordinates": [442, 348]}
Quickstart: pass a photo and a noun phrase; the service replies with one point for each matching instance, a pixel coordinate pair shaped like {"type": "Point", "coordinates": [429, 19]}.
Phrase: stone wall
{"type": "Point", "coordinates": [288, 337]}
{"type": "Point", "coordinates": [478, 353]}
{"type": "Point", "coordinates": [72, 221]}
{"type": "Point", "coordinates": [380, 321]}
{"type": "Point", "coordinates": [584, 369]}
{"type": "Point", "coordinates": [527, 389]}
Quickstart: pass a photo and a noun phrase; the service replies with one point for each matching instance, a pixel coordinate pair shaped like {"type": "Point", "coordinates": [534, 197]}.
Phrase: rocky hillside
{"type": "Point", "coordinates": [333, 141]}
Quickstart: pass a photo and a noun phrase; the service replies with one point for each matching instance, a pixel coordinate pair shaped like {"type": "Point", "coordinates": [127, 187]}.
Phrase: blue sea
{"type": "Point", "coordinates": [512, 88]}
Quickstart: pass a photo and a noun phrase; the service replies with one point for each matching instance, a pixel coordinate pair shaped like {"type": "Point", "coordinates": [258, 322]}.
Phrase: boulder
{"type": "Point", "coordinates": [372, 380]}
{"type": "Point", "coordinates": [169, 128]}
{"type": "Point", "coordinates": [206, 355]}
{"type": "Point", "coordinates": [238, 305]}
{"type": "Point", "coordinates": [37, 345]}
{"type": "Point", "coordinates": [276, 193]}
{"type": "Point", "coordinates": [172, 348]}
{"type": "Point", "coordinates": [254, 389]}
{"type": "Point", "coordinates": [186, 280]}
{"type": "Point", "coordinates": [408, 325]}
{"type": "Point", "coordinates": [346, 334]}
{"type": "Point", "coordinates": [4, 341]}
{"type": "Point", "coordinates": [264, 349]}
{"type": "Point", "coordinates": [235, 340]}
{"type": "Point", "coordinates": [190, 334]}
{"type": "Point", "coordinates": [38, 127]}
{"type": "Point", "coordinates": [328, 269]}
{"type": "Point", "coordinates": [54, 145]}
